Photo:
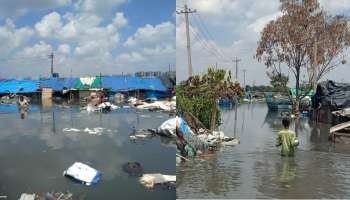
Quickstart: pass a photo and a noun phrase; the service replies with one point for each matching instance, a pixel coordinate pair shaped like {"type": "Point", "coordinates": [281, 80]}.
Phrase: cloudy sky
{"type": "Point", "coordinates": [220, 30]}
{"type": "Point", "coordinates": [86, 36]}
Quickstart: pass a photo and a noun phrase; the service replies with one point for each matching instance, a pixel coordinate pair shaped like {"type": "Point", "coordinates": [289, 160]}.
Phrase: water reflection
{"type": "Point", "coordinates": [286, 170]}
{"type": "Point", "coordinates": [255, 169]}
{"type": "Point", "coordinates": [40, 144]}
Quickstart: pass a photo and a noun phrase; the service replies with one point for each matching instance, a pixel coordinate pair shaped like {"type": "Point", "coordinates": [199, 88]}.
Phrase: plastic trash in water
{"type": "Point", "coordinates": [83, 173]}
{"type": "Point", "coordinates": [150, 180]}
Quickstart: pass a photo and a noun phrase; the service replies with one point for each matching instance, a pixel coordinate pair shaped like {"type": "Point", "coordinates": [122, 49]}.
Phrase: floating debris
{"type": "Point", "coordinates": [133, 168]}
{"type": "Point", "coordinates": [25, 196]}
{"type": "Point", "coordinates": [47, 196]}
{"type": "Point", "coordinates": [93, 131]}
{"type": "Point", "coordinates": [83, 173]}
{"type": "Point", "coordinates": [150, 180]}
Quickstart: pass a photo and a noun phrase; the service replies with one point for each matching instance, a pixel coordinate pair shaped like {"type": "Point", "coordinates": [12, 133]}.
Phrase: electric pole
{"type": "Point", "coordinates": [51, 56]}
{"type": "Point", "coordinates": [244, 70]}
{"type": "Point", "coordinates": [314, 68]}
{"type": "Point", "coordinates": [186, 12]}
{"type": "Point", "coordinates": [236, 61]}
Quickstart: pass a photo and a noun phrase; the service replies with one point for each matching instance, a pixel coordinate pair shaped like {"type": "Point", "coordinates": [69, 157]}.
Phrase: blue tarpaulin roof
{"type": "Point", "coordinates": [129, 83]}
{"type": "Point", "coordinates": [18, 86]}
{"type": "Point", "coordinates": [114, 83]}
{"type": "Point", "coordinates": [58, 84]}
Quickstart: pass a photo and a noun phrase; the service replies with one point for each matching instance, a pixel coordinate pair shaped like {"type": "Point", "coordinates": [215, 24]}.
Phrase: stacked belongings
{"type": "Point", "coordinates": [331, 97]}
{"type": "Point", "coordinates": [187, 142]}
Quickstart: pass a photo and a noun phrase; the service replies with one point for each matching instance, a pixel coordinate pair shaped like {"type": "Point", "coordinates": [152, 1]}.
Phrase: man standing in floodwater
{"type": "Point", "coordinates": [287, 139]}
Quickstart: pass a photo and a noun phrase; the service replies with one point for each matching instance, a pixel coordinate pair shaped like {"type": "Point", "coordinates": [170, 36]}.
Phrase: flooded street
{"type": "Point", "coordinates": [255, 169]}
{"type": "Point", "coordinates": [35, 151]}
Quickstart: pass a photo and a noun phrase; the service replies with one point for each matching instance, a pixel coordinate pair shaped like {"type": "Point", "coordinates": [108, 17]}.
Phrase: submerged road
{"type": "Point", "coordinates": [255, 169]}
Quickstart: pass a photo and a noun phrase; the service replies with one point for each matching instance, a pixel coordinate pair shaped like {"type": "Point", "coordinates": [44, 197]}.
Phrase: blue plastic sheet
{"type": "Point", "coordinates": [18, 86]}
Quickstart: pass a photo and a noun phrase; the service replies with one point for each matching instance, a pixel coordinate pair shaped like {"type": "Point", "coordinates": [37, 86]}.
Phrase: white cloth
{"type": "Point", "coordinates": [87, 80]}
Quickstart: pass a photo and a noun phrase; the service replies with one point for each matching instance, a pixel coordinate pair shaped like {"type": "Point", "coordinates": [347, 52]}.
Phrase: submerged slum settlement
{"type": "Point", "coordinates": [131, 107]}
{"type": "Point", "coordinates": [75, 89]}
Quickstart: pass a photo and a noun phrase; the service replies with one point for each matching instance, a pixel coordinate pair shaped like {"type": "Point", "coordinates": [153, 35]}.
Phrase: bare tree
{"type": "Point", "coordinates": [304, 38]}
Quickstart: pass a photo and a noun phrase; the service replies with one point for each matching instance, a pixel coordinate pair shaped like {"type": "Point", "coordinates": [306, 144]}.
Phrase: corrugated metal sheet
{"type": "Point", "coordinates": [130, 83]}
{"type": "Point", "coordinates": [19, 86]}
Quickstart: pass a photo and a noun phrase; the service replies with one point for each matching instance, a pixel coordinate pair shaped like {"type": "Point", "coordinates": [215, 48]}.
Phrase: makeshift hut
{"type": "Point", "coordinates": [61, 87]}
{"type": "Point", "coordinates": [29, 88]}
{"type": "Point", "coordinates": [140, 87]}
{"type": "Point", "coordinates": [330, 97]}
{"type": "Point", "coordinates": [87, 86]}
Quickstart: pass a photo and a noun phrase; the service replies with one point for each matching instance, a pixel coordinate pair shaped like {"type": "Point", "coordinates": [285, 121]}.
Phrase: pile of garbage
{"type": "Point", "coordinates": [154, 105]}
{"type": "Point", "coordinates": [190, 143]}
{"type": "Point", "coordinates": [148, 180]}
{"type": "Point", "coordinates": [102, 107]}
{"type": "Point", "coordinates": [49, 195]}
{"type": "Point", "coordinates": [92, 131]}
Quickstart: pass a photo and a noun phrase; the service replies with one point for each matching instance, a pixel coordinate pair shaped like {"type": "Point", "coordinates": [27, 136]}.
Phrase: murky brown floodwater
{"type": "Point", "coordinates": [255, 169]}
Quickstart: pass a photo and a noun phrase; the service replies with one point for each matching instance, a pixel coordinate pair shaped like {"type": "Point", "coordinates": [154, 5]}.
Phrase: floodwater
{"type": "Point", "coordinates": [35, 151]}
{"type": "Point", "coordinates": [255, 169]}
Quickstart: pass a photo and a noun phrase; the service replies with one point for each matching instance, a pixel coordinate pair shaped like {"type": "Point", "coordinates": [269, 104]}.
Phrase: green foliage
{"type": "Point", "coordinates": [200, 106]}
{"type": "Point", "coordinates": [279, 82]}
{"type": "Point", "coordinates": [199, 95]}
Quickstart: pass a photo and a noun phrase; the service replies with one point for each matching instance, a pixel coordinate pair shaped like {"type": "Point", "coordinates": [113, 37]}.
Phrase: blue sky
{"type": "Point", "coordinates": [87, 36]}
{"type": "Point", "coordinates": [234, 28]}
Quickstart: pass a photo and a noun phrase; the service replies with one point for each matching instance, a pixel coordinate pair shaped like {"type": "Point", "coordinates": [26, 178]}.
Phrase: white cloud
{"type": "Point", "coordinates": [259, 24]}
{"type": "Point", "coordinates": [152, 35]}
{"type": "Point", "coordinates": [235, 27]}
{"type": "Point", "coordinates": [87, 39]}
{"type": "Point", "coordinates": [37, 50]}
{"type": "Point", "coordinates": [50, 25]}
{"type": "Point", "coordinates": [15, 8]}
{"type": "Point", "coordinates": [11, 37]}
{"type": "Point", "coordinates": [120, 20]}
{"type": "Point", "coordinates": [98, 7]}
{"type": "Point", "coordinates": [63, 49]}
{"type": "Point", "coordinates": [84, 31]}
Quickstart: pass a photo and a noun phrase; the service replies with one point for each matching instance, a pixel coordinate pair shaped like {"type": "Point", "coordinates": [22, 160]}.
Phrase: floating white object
{"type": "Point", "coordinates": [25, 196]}
{"type": "Point", "coordinates": [233, 142]}
{"type": "Point", "coordinates": [83, 173]}
{"type": "Point", "coordinates": [149, 180]}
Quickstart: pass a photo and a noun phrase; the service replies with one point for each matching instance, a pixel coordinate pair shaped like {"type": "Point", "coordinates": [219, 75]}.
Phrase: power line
{"type": "Point", "coordinates": [208, 46]}
{"type": "Point", "coordinates": [207, 34]}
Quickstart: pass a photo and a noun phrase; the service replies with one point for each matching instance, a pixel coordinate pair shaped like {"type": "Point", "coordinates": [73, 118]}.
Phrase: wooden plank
{"type": "Point", "coordinates": [342, 134]}
{"type": "Point", "coordinates": [339, 127]}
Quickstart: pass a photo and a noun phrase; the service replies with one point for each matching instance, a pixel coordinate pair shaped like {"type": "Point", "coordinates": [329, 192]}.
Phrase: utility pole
{"type": "Point", "coordinates": [186, 12]}
{"type": "Point", "coordinates": [314, 68]}
{"type": "Point", "coordinates": [51, 56]}
{"type": "Point", "coordinates": [236, 61]}
{"type": "Point", "coordinates": [244, 70]}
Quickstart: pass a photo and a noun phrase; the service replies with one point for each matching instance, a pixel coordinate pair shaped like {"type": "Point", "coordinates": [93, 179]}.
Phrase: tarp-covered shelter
{"type": "Point", "coordinates": [333, 95]}
{"type": "Point", "coordinates": [58, 84]}
{"type": "Point", "coordinates": [293, 92]}
{"type": "Point", "coordinates": [86, 83]}
{"type": "Point", "coordinates": [131, 83]}
{"type": "Point", "coordinates": [19, 86]}
{"type": "Point", "coordinates": [151, 86]}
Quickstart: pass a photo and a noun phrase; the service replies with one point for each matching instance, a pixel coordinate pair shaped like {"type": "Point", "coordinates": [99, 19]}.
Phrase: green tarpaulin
{"type": "Point", "coordinates": [293, 91]}
{"type": "Point", "coordinates": [88, 83]}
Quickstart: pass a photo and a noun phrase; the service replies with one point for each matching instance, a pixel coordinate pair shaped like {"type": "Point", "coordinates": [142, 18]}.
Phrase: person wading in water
{"type": "Point", "coordinates": [287, 139]}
